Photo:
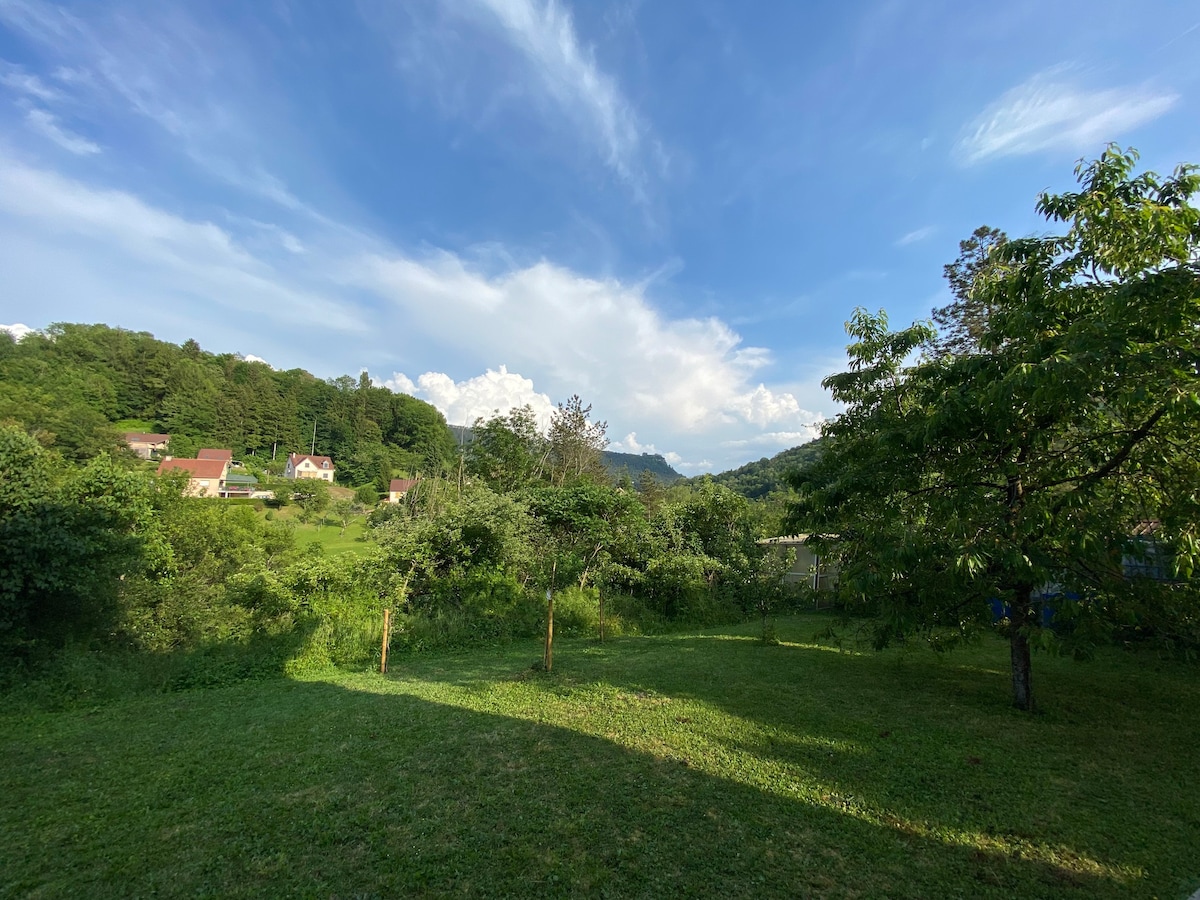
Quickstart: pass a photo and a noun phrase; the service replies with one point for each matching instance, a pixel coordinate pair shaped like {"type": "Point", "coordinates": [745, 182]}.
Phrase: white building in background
{"type": "Point", "coordinates": [304, 466]}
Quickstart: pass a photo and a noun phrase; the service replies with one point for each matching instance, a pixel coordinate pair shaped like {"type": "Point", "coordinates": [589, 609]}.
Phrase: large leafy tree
{"type": "Point", "coordinates": [1044, 452]}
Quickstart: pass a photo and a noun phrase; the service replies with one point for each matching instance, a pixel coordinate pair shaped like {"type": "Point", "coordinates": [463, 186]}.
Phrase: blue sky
{"type": "Point", "coordinates": [667, 207]}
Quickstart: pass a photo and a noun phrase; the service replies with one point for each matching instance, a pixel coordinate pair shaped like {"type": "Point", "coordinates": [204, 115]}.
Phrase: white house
{"type": "Point", "coordinates": [303, 466]}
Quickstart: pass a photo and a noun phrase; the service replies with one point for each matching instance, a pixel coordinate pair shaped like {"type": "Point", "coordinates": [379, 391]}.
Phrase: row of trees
{"type": "Point", "coordinates": [1044, 442]}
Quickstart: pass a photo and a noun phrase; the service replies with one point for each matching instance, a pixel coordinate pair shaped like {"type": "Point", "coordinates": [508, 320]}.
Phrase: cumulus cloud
{"type": "Point", "coordinates": [1049, 112]}
{"type": "Point", "coordinates": [17, 330]}
{"type": "Point", "coordinates": [631, 444]}
{"type": "Point", "coordinates": [462, 402]}
{"type": "Point", "coordinates": [600, 338]}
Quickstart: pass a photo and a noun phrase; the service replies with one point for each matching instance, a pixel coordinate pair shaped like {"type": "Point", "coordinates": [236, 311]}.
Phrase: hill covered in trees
{"type": "Point", "coordinates": [756, 480]}
{"type": "Point", "coordinates": [77, 387]}
{"type": "Point", "coordinates": [636, 464]}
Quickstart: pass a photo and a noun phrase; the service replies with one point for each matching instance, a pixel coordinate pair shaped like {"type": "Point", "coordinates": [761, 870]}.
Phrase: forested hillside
{"type": "Point", "coordinates": [756, 480]}
{"type": "Point", "coordinates": [78, 386]}
{"type": "Point", "coordinates": [637, 464]}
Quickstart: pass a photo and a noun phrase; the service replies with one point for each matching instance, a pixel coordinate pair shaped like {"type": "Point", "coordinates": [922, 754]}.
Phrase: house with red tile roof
{"type": "Point", "coordinates": [399, 487]}
{"type": "Point", "coordinates": [301, 465]}
{"type": "Point", "coordinates": [226, 455]}
{"type": "Point", "coordinates": [206, 477]}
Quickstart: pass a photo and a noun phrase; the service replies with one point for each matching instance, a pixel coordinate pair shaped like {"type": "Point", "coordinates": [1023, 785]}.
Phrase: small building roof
{"type": "Point", "coordinates": [400, 485]}
{"type": "Point", "coordinates": [196, 468]}
{"type": "Point", "coordinates": [296, 458]}
{"type": "Point", "coordinates": [789, 540]}
{"type": "Point", "coordinates": [145, 437]}
{"type": "Point", "coordinates": [241, 479]}
{"type": "Point", "coordinates": [226, 455]}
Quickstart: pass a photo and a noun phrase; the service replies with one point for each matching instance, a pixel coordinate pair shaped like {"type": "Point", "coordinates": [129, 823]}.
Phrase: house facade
{"type": "Point", "coordinates": [808, 568]}
{"type": "Point", "coordinates": [206, 477]}
{"type": "Point", "coordinates": [399, 487]}
{"type": "Point", "coordinates": [304, 466]}
{"type": "Point", "coordinates": [146, 445]}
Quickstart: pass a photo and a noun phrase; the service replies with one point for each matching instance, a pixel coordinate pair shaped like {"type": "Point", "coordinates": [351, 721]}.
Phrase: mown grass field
{"type": "Point", "coordinates": [685, 765]}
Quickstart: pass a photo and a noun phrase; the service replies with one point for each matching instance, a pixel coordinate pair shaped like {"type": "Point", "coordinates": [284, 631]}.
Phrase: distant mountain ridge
{"type": "Point", "coordinates": [637, 463]}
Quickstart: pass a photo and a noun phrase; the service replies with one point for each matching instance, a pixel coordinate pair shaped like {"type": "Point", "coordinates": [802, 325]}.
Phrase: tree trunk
{"type": "Point", "coordinates": [1022, 665]}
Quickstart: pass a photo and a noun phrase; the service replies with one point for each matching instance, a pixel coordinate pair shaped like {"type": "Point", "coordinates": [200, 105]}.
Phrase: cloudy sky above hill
{"type": "Point", "coordinates": [668, 208]}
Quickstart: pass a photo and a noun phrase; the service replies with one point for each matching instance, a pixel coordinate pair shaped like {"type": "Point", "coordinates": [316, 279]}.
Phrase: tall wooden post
{"type": "Point", "coordinates": [600, 593]}
{"type": "Point", "coordinates": [548, 659]}
{"type": "Point", "coordinates": [387, 631]}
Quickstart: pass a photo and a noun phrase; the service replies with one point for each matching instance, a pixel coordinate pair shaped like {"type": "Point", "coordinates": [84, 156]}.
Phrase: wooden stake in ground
{"type": "Point", "coordinates": [600, 594]}
{"type": "Point", "coordinates": [387, 631]}
{"type": "Point", "coordinates": [548, 659]}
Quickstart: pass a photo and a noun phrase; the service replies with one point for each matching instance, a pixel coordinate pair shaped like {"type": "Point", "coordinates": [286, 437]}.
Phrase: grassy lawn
{"type": "Point", "coordinates": [686, 765]}
{"type": "Point", "coordinates": [329, 536]}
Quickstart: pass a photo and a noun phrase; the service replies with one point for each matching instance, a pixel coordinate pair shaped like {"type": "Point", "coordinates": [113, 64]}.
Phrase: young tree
{"type": "Point", "coordinates": [507, 451]}
{"type": "Point", "coordinates": [960, 479]}
{"type": "Point", "coordinates": [576, 443]}
{"type": "Point", "coordinates": [312, 496]}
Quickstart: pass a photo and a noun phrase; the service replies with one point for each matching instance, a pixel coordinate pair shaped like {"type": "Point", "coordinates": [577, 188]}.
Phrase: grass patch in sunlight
{"type": "Point", "coordinates": [678, 765]}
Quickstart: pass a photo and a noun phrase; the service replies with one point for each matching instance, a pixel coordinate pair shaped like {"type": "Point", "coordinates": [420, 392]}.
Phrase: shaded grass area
{"type": "Point", "coordinates": [679, 765]}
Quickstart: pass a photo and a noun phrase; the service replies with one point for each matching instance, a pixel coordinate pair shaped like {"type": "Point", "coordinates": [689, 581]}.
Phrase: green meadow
{"type": "Point", "coordinates": [692, 764]}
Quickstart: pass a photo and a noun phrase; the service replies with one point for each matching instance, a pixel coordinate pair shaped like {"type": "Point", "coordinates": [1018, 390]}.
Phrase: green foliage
{"type": "Point", "coordinates": [312, 496]}
{"type": "Point", "coordinates": [366, 496]}
{"type": "Point", "coordinates": [67, 537]}
{"type": "Point", "coordinates": [1039, 456]}
{"type": "Point", "coordinates": [757, 480]}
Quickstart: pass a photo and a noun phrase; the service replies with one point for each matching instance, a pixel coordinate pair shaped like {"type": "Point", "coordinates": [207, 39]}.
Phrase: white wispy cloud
{"type": "Point", "coordinates": [1051, 112]}
{"type": "Point", "coordinates": [120, 240]}
{"type": "Point", "coordinates": [162, 67]}
{"type": "Point", "coordinates": [567, 71]}
{"type": "Point", "coordinates": [22, 82]}
{"type": "Point", "coordinates": [46, 124]}
{"type": "Point", "coordinates": [915, 236]}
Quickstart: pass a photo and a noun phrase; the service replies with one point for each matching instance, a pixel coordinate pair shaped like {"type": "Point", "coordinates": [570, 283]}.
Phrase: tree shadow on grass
{"type": "Point", "coordinates": [923, 744]}
{"type": "Point", "coordinates": [313, 789]}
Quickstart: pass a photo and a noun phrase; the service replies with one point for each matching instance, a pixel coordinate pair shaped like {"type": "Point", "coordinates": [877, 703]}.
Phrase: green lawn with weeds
{"type": "Point", "coordinates": [331, 538]}
{"type": "Point", "coordinates": [683, 765]}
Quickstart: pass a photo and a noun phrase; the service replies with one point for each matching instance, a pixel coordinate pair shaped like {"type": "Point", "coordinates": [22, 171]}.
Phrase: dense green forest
{"type": "Point", "coordinates": [78, 386]}
{"type": "Point", "coordinates": [767, 476]}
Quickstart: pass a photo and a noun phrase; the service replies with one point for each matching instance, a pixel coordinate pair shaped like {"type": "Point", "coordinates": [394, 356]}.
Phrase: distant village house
{"type": "Point", "coordinates": [147, 446]}
{"type": "Point", "coordinates": [304, 466]}
{"type": "Point", "coordinates": [809, 568]}
{"type": "Point", "coordinates": [206, 477]}
{"type": "Point", "coordinates": [399, 487]}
